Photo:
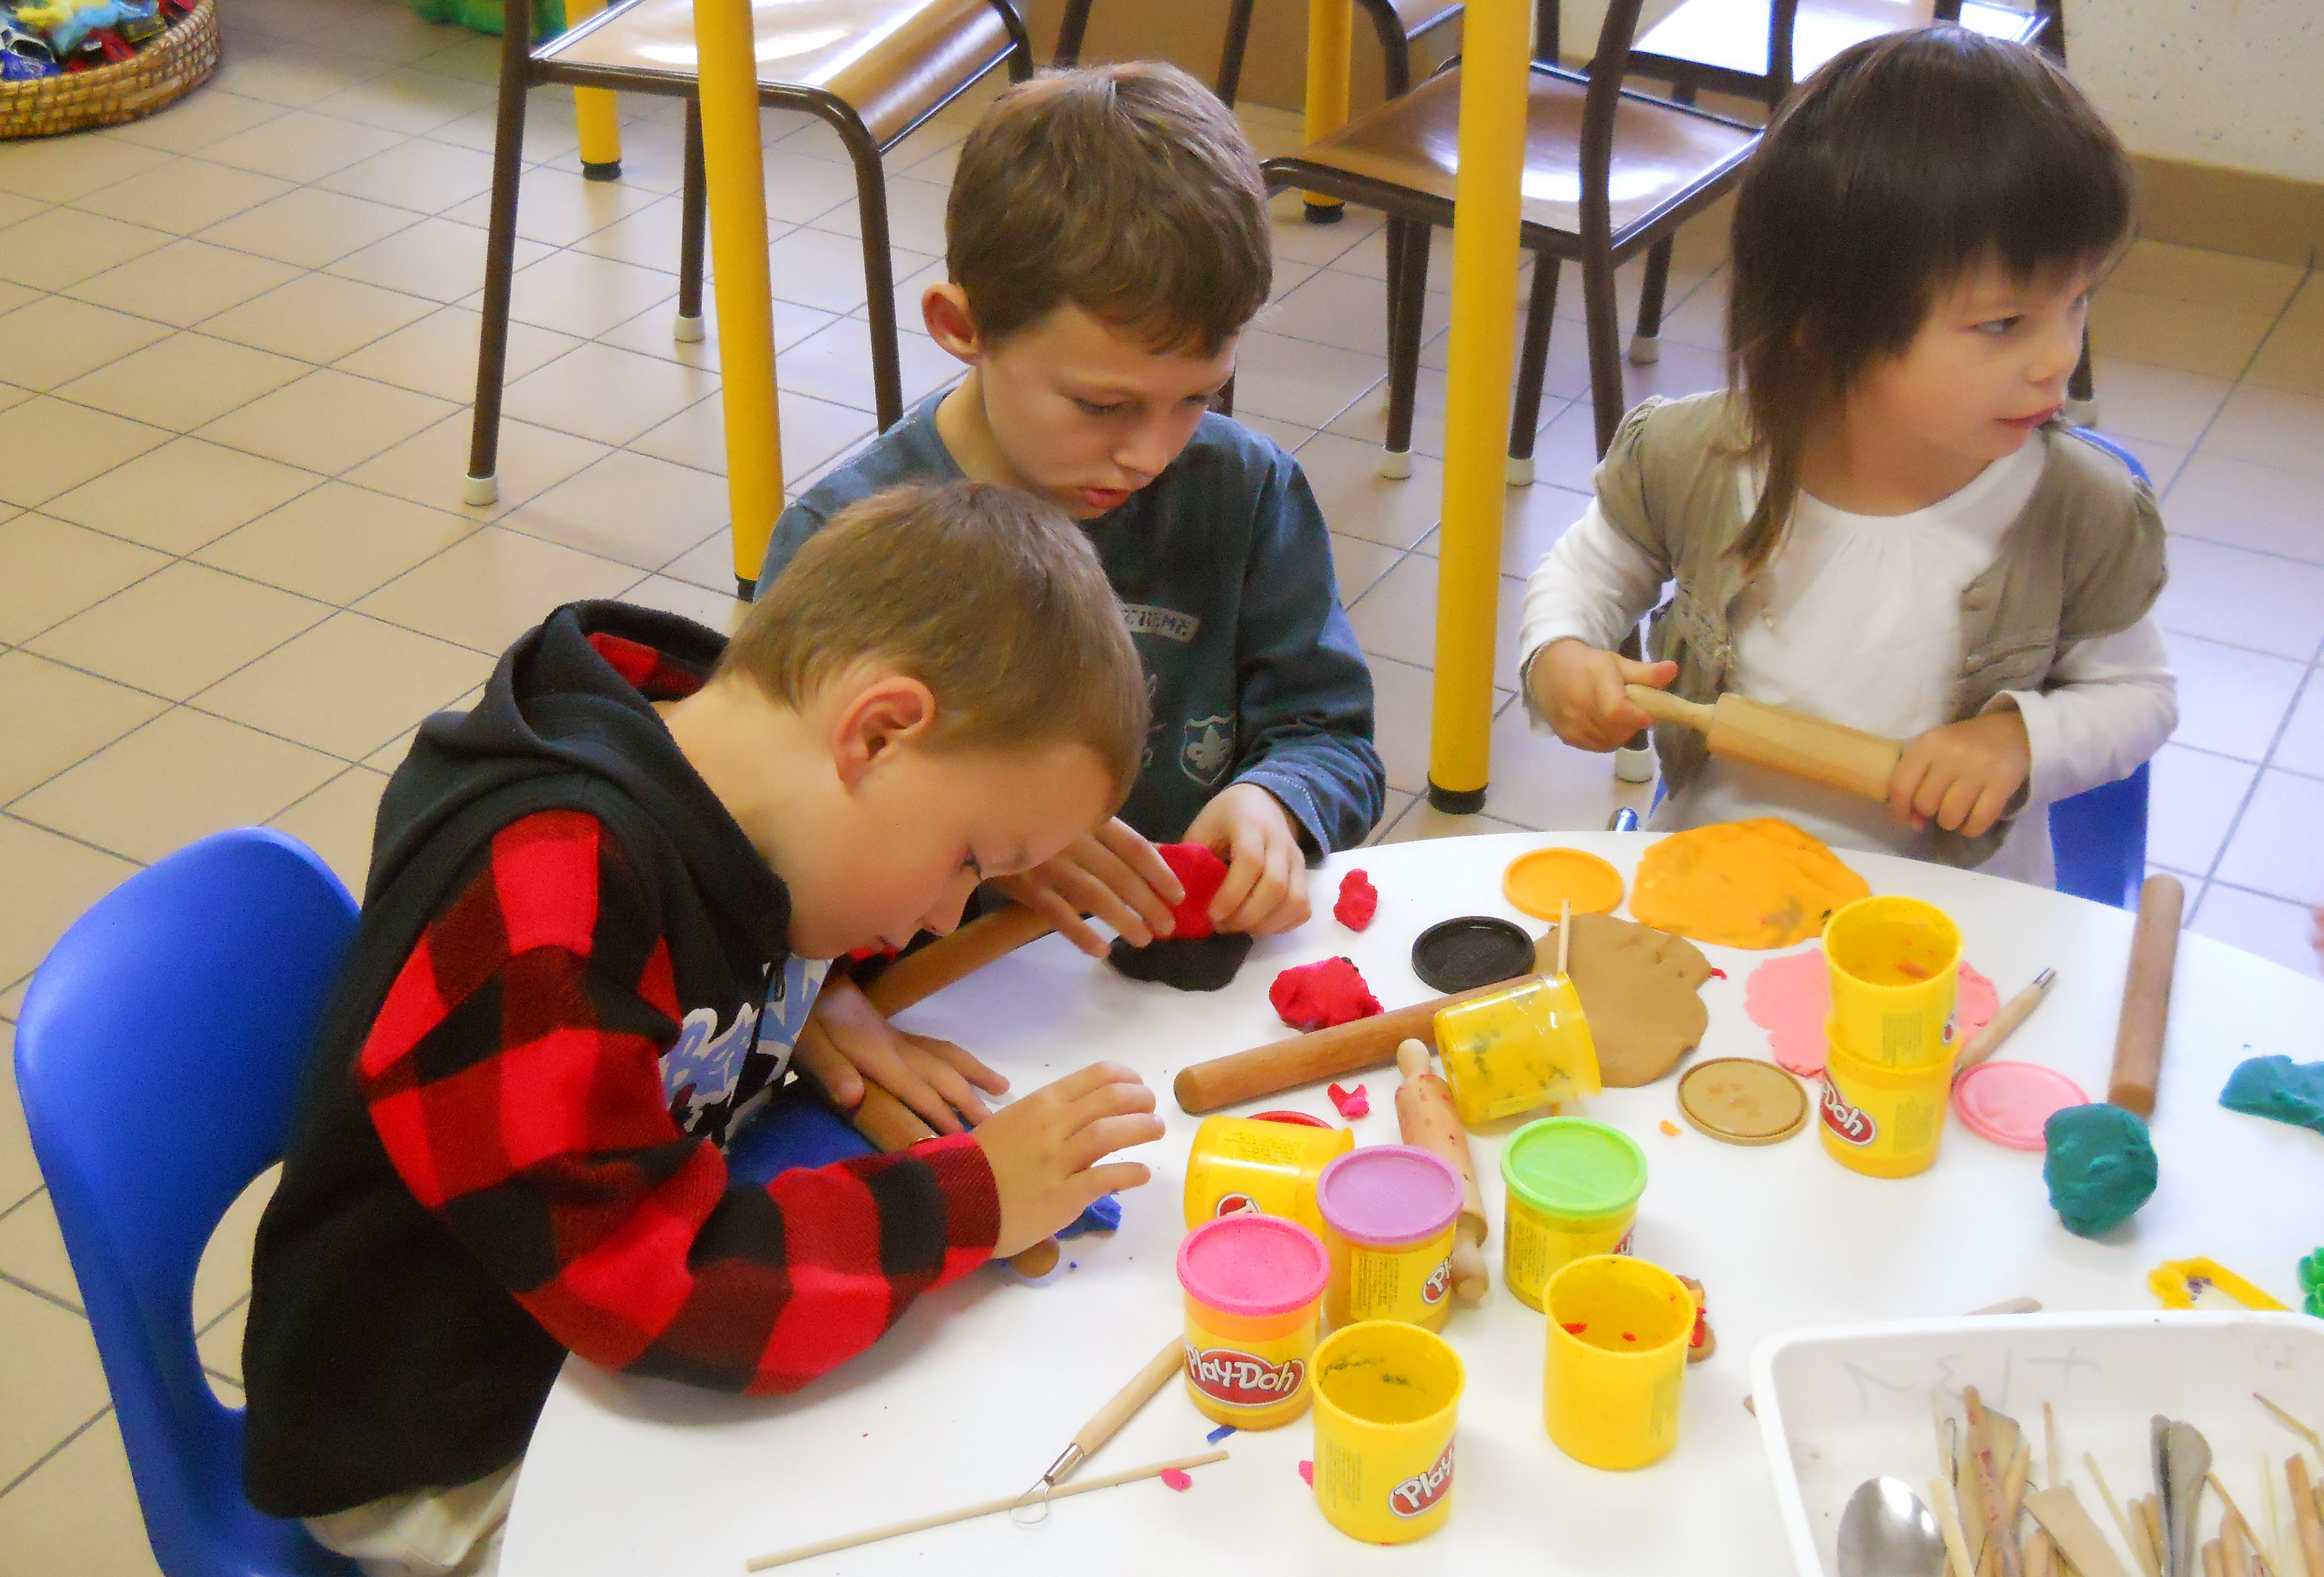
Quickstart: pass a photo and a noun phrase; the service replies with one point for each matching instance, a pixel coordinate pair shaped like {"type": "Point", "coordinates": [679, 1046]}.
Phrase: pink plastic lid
{"type": "Point", "coordinates": [1253, 1266]}
{"type": "Point", "coordinates": [2008, 1102]}
{"type": "Point", "coordinates": [1384, 1196]}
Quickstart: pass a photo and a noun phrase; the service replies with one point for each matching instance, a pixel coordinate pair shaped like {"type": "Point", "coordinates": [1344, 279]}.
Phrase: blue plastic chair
{"type": "Point", "coordinates": [159, 1059]}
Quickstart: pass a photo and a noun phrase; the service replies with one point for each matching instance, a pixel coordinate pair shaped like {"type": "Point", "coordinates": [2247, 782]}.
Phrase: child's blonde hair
{"type": "Point", "coordinates": [1906, 162]}
{"type": "Point", "coordinates": [991, 597]}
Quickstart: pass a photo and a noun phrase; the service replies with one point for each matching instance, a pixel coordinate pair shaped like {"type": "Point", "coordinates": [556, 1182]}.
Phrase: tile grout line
{"type": "Point", "coordinates": [47, 1456]}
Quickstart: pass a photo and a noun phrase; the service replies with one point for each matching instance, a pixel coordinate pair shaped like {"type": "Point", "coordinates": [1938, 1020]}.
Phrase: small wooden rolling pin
{"type": "Point", "coordinates": [887, 1121]}
{"type": "Point", "coordinates": [1776, 736]}
{"type": "Point", "coordinates": [2146, 997]}
{"type": "Point", "coordinates": [1426, 1120]}
{"type": "Point", "coordinates": [1321, 1054]}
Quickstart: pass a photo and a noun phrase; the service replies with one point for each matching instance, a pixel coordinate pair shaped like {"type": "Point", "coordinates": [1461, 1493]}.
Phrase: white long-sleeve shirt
{"type": "Point", "coordinates": [1857, 619]}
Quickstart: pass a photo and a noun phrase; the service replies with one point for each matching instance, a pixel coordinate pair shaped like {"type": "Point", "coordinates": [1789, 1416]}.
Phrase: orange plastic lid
{"type": "Point", "coordinates": [1535, 880]}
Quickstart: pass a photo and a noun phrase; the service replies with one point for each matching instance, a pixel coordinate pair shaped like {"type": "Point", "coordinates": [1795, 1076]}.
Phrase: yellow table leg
{"type": "Point", "coordinates": [1330, 30]}
{"type": "Point", "coordinates": [592, 111]}
{"type": "Point", "coordinates": [735, 176]}
{"type": "Point", "coordinates": [1482, 354]}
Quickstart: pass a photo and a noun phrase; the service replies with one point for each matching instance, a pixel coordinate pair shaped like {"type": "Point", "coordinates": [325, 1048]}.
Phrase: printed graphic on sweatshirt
{"type": "Point", "coordinates": [1169, 624]}
{"type": "Point", "coordinates": [703, 1070]}
{"type": "Point", "coordinates": [1207, 748]}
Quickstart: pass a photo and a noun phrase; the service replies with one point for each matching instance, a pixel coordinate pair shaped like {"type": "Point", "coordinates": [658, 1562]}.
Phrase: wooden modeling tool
{"type": "Point", "coordinates": [2004, 1024]}
{"type": "Point", "coordinates": [1426, 1120]}
{"type": "Point", "coordinates": [968, 1513]}
{"type": "Point", "coordinates": [2146, 997]}
{"type": "Point", "coordinates": [2133, 1539]}
{"type": "Point", "coordinates": [2296, 1427]}
{"type": "Point", "coordinates": [2235, 1519]}
{"type": "Point", "coordinates": [1949, 1522]}
{"type": "Point", "coordinates": [1108, 1419]}
{"type": "Point", "coordinates": [2304, 1515]}
{"type": "Point", "coordinates": [2059, 1512]}
{"type": "Point", "coordinates": [1790, 742]}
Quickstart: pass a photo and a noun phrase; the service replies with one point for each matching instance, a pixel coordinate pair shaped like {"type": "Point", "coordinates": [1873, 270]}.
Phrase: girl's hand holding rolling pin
{"type": "Point", "coordinates": [1963, 774]}
{"type": "Point", "coordinates": [1580, 689]}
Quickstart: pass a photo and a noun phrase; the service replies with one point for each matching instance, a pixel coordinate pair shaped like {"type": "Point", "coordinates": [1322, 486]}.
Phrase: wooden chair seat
{"type": "Point", "coordinates": [1401, 157]}
{"type": "Point", "coordinates": [891, 62]}
{"type": "Point", "coordinates": [1730, 38]}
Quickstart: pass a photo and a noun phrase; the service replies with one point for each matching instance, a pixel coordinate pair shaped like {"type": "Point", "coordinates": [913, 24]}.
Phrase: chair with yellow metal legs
{"type": "Point", "coordinates": [872, 70]}
{"type": "Point", "coordinates": [1608, 174]}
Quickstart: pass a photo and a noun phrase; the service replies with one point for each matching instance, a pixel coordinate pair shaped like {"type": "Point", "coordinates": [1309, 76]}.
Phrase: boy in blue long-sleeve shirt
{"type": "Point", "coordinates": [1106, 245]}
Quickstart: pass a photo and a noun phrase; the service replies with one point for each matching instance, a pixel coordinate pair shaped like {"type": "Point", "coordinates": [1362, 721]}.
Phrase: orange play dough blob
{"type": "Point", "coordinates": [1761, 883]}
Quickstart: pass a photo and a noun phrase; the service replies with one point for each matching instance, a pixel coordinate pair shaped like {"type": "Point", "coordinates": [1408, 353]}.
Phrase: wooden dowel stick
{"type": "Point", "coordinates": [1940, 1497]}
{"type": "Point", "coordinates": [2150, 1522]}
{"type": "Point", "coordinates": [1564, 932]}
{"type": "Point", "coordinates": [2274, 1529]}
{"type": "Point", "coordinates": [2236, 1511]}
{"type": "Point", "coordinates": [2135, 1543]}
{"type": "Point", "coordinates": [2305, 1515]}
{"type": "Point", "coordinates": [2049, 1448]}
{"type": "Point", "coordinates": [2294, 1425]}
{"type": "Point", "coordinates": [1125, 1402]}
{"type": "Point", "coordinates": [969, 1513]}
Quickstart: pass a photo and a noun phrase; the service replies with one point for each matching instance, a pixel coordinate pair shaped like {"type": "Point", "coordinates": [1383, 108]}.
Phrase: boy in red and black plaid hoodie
{"type": "Point", "coordinates": [600, 908]}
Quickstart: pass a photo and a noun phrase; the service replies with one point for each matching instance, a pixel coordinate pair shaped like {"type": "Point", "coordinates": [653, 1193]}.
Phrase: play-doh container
{"type": "Point", "coordinates": [1893, 964]}
{"type": "Point", "coordinates": [1572, 1189]}
{"type": "Point", "coordinates": [1387, 1397]}
{"type": "Point", "coordinates": [1617, 1333]}
{"type": "Point", "coordinates": [1254, 1285]}
{"type": "Point", "coordinates": [1263, 1165]}
{"type": "Point", "coordinates": [1519, 1047]}
{"type": "Point", "coordinates": [1882, 1121]}
{"type": "Point", "coordinates": [1389, 1214]}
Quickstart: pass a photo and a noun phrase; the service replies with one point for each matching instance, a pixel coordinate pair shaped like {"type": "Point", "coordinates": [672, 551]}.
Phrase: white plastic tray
{"type": "Point", "coordinates": [1844, 1404]}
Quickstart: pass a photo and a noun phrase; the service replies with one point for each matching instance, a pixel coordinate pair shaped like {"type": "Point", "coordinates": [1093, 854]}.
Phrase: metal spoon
{"type": "Point", "coordinates": [1887, 1532]}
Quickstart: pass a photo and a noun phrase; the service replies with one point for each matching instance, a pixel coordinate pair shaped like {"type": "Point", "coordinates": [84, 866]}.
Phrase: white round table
{"type": "Point", "coordinates": [981, 1384]}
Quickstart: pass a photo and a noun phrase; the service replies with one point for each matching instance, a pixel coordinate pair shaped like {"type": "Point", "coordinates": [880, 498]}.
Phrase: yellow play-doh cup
{"type": "Point", "coordinates": [1254, 1285]}
{"type": "Point", "coordinates": [1389, 1212]}
{"type": "Point", "coordinates": [1262, 1166]}
{"type": "Point", "coordinates": [1881, 1121]}
{"type": "Point", "coordinates": [1895, 964]}
{"type": "Point", "coordinates": [1388, 1397]}
{"type": "Point", "coordinates": [1572, 1187]}
{"type": "Point", "coordinates": [1517, 1049]}
{"type": "Point", "coordinates": [1618, 1329]}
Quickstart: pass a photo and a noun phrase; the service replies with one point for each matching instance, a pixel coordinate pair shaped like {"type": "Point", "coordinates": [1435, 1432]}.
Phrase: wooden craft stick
{"type": "Point", "coordinates": [2004, 1024]}
{"type": "Point", "coordinates": [1426, 1118]}
{"type": "Point", "coordinates": [2304, 1514]}
{"type": "Point", "coordinates": [1302, 1059]}
{"type": "Point", "coordinates": [2059, 1512]}
{"type": "Point", "coordinates": [1990, 1480]}
{"type": "Point", "coordinates": [2294, 1425]}
{"type": "Point", "coordinates": [2150, 1524]}
{"type": "Point", "coordinates": [1940, 1497]}
{"type": "Point", "coordinates": [2146, 997]}
{"type": "Point", "coordinates": [2235, 1552]}
{"type": "Point", "coordinates": [2134, 1543]}
{"type": "Point", "coordinates": [968, 1513]}
{"type": "Point", "coordinates": [2214, 1561]}
{"type": "Point", "coordinates": [2237, 1512]}
{"type": "Point", "coordinates": [2049, 1447]}
{"type": "Point", "coordinates": [1564, 930]}
{"type": "Point", "coordinates": [2037, 1555]}
{"type": "Point", "coordinates": [918, 976]}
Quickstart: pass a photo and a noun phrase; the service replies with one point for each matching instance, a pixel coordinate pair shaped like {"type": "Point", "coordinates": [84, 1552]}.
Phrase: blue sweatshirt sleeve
{"type": "Point", "coordinates": [1305, 690]}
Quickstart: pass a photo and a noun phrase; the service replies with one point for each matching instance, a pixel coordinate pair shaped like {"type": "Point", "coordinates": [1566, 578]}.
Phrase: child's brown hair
{"type": "Point", "coordinates": [991, 597]}
{"type": "Point", "coordinates": [1129, 190]}
{"type": "Point", "coordinates": [1906, 162]}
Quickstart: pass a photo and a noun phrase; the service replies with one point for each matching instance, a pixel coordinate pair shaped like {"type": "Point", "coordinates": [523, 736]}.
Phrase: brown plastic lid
{"type": "Point", "coordinates": [1742, 1101]}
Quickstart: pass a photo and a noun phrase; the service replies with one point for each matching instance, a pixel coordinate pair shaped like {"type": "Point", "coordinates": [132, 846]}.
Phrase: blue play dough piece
{"type": "Point", "coordinates": [2100, 1165]}
{"type": "Point", "coordinates": [1221, 1433]}
{"type": "Point", "coordinates": [2278, 1087]}
{"type": "Point", "coordinates": [1103, 1215]}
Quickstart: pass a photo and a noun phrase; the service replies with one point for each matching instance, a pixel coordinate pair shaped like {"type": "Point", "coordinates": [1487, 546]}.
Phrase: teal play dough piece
{"type": "Point", "coordinates": [2278, 1087]}
{"type": "Point", "coordinates": [2100, 1166]}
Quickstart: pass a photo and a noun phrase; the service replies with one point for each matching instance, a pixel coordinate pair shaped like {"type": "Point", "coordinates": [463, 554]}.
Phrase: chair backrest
{"type": "Point", "coordinates": [159, 1060]}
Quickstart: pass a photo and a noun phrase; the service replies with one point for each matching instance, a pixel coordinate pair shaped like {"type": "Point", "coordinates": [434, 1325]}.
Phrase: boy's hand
{"type": "Point", "coordinates": [1963, 774]}
{"type": "Point", "coordinates": [1579, 689]}
{"type": "Point", "coordinates": [1265, 888]}
{"type": "Point", "coordinates": [845, 1041]}
{"type": "Point", "coordinates": [1045, 1149]}
{"type": "Point", "coordinates": [1111, 873]}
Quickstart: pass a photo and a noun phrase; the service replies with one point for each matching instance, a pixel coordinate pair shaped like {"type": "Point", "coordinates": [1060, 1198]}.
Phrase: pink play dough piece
{"type": "Point", "coordinates": [1177, 1478]}
{"type": "Point", "coordinates": [2009, 1101]}
{"type": "Point", "coordinates": [1790, 998]}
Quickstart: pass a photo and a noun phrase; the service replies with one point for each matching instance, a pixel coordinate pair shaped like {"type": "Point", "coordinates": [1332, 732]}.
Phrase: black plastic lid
{"type": "Point", "coordinates": [1475, 950]}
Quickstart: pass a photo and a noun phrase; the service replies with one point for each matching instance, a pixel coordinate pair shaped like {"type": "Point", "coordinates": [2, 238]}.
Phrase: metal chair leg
{"type": "Point", "coordinates": [483, 485]}
{"type": "Point", "coordinates": [1230, 57]}
{"type": "Point", "coordinates": [694, 214]}
{"type": "Point", "coordinates": [1407, 246]}
{"type": "Point", "coordinates": [1533, 367]}
{"type": "Point", "coordinates": [878, 269]}
{"type": "Point", "coordinates": [1606, 393]}
{"type": "Point", "coordinates": [1646, 344]}
{"type": "Point", "coordinates": [1071, 27]}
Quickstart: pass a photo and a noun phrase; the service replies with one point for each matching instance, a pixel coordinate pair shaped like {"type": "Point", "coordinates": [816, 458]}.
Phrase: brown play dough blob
{"type": "Point", "coordinates": [1762, 884]}
{"type": "Point", "coordinates": [1637, 986]}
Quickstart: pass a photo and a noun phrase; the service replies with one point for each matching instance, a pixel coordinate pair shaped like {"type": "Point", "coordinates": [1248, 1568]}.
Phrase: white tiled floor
{"type": "Point", "coordinates": [236, 345]}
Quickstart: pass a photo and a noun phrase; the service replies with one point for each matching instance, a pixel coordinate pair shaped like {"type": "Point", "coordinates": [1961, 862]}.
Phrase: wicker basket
{"type": "Point", "coordinates": [171, 65]}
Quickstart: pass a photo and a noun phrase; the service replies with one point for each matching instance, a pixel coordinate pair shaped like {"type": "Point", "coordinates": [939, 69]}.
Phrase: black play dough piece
{"type": "Point", "coordinates": [1475, 950]}
{"type": "Point", "coordinates": [1198, 964]}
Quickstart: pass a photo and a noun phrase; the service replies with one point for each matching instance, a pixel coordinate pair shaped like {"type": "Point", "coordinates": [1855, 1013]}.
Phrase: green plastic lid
{"type": "Point", "coordinates": [1571, 1166]}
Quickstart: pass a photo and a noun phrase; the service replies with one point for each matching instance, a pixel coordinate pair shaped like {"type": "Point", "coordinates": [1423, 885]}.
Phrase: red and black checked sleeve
{"type": "Point", "coordinates": [513, 1074]}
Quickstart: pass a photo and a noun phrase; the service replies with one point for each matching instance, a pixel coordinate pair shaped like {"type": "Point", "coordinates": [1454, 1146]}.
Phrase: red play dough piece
{"type": "Point", "coordinates": [1200, 873]}
{"type": "Point", "coordinates": [1359, 901]}
{"type": "Point", "coordinates": [1352, 1104]}
{"type": "Point", "coordinates": [1315, 996]}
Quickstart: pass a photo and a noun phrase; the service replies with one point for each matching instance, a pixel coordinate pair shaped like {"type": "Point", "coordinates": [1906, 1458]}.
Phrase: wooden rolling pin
{"type": "Point", "coordinates": [1321, 1054]}
{"type": "Point", "coordinates": [1776, 736]}
{"type": "Point", "coordinates": [2146, 997]}
{"type": "Point", "coordinates": [1426, 1119]}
